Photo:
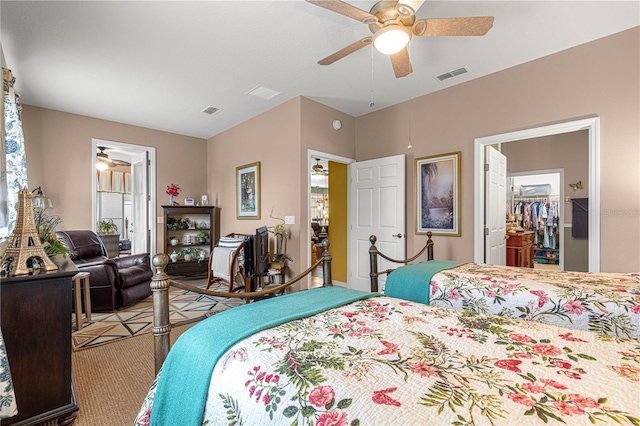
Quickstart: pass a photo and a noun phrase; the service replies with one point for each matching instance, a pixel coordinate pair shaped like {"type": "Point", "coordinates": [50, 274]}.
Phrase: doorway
{"type": "Point", "coordinates": [537, 198]}
{"type": "Point", "coordinates": [329, 224]}
{"type": "Point", "coordinates": [124, 192]}
{"type": "Point", "coordinates": [592, 128]}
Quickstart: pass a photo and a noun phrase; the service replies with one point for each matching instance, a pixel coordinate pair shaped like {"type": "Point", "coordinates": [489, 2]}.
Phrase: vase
{"type": "Point", "coordinates": [173, 241]}
{"type": "Point", "coordinates": [174, 256]}
{"type": "Point", "coordinates": [188, 257]}
{"type": "Point", "coordinates": [170, 199]}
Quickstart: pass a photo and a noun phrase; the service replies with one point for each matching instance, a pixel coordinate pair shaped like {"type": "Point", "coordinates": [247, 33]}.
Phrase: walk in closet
{"type": "Point", "coordinates": [537, 209]}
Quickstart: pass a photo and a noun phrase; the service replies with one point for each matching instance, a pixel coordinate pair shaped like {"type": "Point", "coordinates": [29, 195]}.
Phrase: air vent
{"type": "Point", "coordinates": [263, 92]}
{"type": "Point", "coordinates": [451, 74]}
{"type": "Point", "coordinates": [211, 110]}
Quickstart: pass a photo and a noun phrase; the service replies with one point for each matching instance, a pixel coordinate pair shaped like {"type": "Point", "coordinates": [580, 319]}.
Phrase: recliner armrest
{"type": "Point", "coordinates": [133, 260]}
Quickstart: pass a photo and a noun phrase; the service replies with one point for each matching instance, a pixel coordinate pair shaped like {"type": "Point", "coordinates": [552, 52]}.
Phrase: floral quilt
{"type": "Point", "coordinates": [388, 361]}
{"type": "Point", "coordinates": [606, 303]}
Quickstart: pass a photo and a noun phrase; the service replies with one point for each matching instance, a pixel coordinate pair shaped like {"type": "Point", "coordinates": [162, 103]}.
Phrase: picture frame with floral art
{"type": "Point", "coordinates": [437, 197]}
{"type": "Point", "coordinates": [248, 191]}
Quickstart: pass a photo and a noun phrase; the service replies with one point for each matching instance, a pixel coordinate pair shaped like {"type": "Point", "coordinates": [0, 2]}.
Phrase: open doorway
{"type": "Point", "coordinates": [124, 193]}
{"type": "Point", "coordinates": [328, 213]}
{"type": "Point", "coordinates": [537, 207]}
{"type": "Point", "coordinates": [590, 128]}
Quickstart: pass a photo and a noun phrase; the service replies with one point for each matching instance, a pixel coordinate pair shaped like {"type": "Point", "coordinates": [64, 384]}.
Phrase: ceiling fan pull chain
{"type": "Point", "coordinates": [371, 103]}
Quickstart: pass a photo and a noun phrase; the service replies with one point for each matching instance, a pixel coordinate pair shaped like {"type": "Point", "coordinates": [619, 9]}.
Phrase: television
{"type": "Point", "coordinates": [261, 251]}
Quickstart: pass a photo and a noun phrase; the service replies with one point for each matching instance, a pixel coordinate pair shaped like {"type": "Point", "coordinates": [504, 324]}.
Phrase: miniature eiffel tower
{"type": "Point", "coordinates": [25, 244]}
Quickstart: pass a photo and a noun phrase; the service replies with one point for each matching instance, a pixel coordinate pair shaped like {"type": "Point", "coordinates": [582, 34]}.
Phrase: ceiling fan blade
{"type": "Point", "coordinates": [346, 9]}
{"type": "Point", "coordinates": [345, 51]}
{"type": "Point", "coordinates": [121, 163]}
{"type": "Point", "coordinates": [472, 26]}
{"type": "Point", "coordinates": [401, 63]}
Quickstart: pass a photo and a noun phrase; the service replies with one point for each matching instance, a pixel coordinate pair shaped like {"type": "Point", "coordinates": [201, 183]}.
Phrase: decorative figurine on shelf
{"type": "Point", "coordinates": [174, 256]}
{"type": "Point", "coordinates": [24, 245]}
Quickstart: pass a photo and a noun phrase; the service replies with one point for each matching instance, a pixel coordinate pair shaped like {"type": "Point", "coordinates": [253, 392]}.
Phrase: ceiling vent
{"type": "Point", "coordinates": [211, 110]}
{"type": "Point", "coordinates": [451, 74]}
{"type": "Point", "coordinates": [263, 92]}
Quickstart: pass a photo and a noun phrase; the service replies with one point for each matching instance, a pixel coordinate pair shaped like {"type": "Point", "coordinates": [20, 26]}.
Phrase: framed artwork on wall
{"type": "Point", "coordinates": [248, 191]}
{"type": "Point", "coordinates": [438, 194]}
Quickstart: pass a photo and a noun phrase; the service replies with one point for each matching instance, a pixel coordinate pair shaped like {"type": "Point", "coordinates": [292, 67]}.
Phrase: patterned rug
{"type": "Point", "coordinates": [184, 307]}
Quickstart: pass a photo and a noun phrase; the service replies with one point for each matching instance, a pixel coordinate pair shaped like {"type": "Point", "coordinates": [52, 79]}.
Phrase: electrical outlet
{"type": "Point", "coordinates": [289, 220]}
{"type": "Point", "coordinates": [160, 219]}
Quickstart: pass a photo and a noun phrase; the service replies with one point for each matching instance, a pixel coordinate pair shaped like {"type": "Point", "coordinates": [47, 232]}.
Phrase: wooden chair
{"type": "Point", "coordinates": [226, 264]}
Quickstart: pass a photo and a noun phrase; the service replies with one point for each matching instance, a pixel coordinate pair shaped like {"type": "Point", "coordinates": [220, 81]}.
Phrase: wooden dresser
{"type": "Point", "coordinates": [36, 326]}
{"type": "Point", "coordinates": [520, 249]}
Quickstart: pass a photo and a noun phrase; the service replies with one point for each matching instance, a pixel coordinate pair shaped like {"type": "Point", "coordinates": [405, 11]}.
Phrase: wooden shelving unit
{"type": "Point", "coordinates": [202, 218]}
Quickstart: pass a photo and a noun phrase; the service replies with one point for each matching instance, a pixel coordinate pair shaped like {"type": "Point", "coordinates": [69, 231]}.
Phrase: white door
{"type": "Point", "coordinates": [140, 232]}
{"type": "Point", "coordinates": [376, 207]}
{"type": "Point", "coordinates": [496, 208]}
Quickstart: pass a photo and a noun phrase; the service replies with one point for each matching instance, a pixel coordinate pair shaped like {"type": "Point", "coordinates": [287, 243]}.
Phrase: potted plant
{"type": "Point", "coordinates": [107, 227]}
{"type": "Point", "coordinates": [46, 228]}
{"type": "Point", "coordinates": [189, 253]}
{"type": "Point", "coordinates": [107, 230]}
{"type": "Point", "coordinates": [202, 237]}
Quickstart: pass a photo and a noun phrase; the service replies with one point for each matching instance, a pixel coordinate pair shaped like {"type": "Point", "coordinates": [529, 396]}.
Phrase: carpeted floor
{"type": "Point", "coordinates": [112, 380]}
{"type": "Point", "coordinates": [185, 307]}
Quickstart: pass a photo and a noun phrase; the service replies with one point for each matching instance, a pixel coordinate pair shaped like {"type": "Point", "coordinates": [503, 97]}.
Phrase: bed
{"type": "Point", "coordinates": [332, 356]}
{"type": "Point", "coordinates": [606, 303]}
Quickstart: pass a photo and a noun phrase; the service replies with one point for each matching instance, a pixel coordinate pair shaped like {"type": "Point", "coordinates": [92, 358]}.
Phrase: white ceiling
{"type": "Point", "coordinates": [157, 64]}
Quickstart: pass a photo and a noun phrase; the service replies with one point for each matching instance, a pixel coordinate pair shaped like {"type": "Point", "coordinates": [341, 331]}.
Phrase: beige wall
{"type": "Point", "coordinates": [601, 78]}
{"type": "Point", "coordinates": [59, 156]}
{"type": "Point", "coordinates": [279, 139]}
{"type": "Point", "coordinates": [273, 139]}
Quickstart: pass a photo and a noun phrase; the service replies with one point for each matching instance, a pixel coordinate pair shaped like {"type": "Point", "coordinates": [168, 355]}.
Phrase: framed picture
{"type": "Point", "coordinates": [248, 191]}
{"type": "Point", "coordinates": [189, 202]}
{"type": "Point", "coordinates": [438, 194]}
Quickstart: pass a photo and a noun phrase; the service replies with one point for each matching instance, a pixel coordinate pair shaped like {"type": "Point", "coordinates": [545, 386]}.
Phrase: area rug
{"type": "Point", "coordinates": [184, 307]}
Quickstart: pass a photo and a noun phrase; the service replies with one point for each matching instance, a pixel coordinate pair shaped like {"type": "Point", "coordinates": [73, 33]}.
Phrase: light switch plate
{"type": "Point", "coordinates": [160, 219]}
{"type": "Point", "coordinates": [289, 220]}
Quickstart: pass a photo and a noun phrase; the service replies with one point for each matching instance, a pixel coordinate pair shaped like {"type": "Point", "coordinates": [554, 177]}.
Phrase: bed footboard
{"type": "Point", "coordinates": [160, 283]}
{"type": "Point", "coordinates": [374, 253]}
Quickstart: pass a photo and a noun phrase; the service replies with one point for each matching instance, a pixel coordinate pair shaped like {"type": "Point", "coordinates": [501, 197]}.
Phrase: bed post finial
{"type": "Point", "coordinates": [161, 325]}
{"type": "Point", "coordinates": [373, 264]}
{"type": "Point", "coordinates": [429, 246]}
{"type": "Point", "coordinates": [326, 264]}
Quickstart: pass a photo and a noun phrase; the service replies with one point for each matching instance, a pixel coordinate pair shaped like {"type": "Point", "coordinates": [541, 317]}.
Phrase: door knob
{"type": "Point", "coordinates": [398, 235]}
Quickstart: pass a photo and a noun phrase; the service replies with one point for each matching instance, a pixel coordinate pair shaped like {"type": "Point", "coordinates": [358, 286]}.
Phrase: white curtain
{"type": "Point", "coordinates": [117, 182]}
{"type": "Point", "coordinates": [15, 159]}
{"type": "Point", "coordinates": [104, 180]}
{"type": "Point", "coordinates": [127, 183]}
{"type": "Point", "coordinates": [4, 216]}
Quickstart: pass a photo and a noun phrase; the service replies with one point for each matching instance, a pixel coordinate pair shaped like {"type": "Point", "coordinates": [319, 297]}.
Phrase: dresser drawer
{"type": "Point", "coordinates": [520, 240]}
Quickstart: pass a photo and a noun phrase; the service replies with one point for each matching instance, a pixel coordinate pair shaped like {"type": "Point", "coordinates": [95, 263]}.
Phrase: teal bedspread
{"type": "Point", "coordinates": [412, 282]}
{"type": "Point", "coordinates": [184, 380]}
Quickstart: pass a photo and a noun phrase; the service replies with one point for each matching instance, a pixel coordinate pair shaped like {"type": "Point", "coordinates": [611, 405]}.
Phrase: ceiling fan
{"type": "Point", "coordinates": [103, 158]}
{"type": "Point", "coordinates": [318, 170]}
{"type": "Point", "coordinates": [393, 24]}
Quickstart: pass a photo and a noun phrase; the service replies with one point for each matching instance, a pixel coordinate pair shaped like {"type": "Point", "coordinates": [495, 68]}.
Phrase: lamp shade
{"type": "Point", "coordinates": [40, 201]}
{"type": "Point", "coordinates": [391, 39]}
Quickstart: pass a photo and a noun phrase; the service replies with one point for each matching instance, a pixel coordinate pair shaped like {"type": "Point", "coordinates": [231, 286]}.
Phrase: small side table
{"type": "Point", "coordinates": [81, 279]}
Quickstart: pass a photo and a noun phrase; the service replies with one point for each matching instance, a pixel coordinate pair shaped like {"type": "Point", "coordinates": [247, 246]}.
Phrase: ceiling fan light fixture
{"type": "Point", "coordinates": [391, 39]}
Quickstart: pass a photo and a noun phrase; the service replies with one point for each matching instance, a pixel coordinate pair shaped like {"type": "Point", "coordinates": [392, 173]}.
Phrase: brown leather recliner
{"type": "Point", "coordinates": [114, 283]}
